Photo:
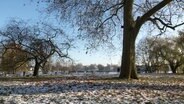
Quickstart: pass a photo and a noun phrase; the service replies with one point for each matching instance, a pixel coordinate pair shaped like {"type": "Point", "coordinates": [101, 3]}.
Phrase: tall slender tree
{"type": "Point", "coordinates": [97, 20]}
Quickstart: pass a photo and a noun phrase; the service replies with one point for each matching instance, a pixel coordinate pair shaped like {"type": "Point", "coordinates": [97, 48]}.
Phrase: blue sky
{"type": "Point", "coordinates": [17, 9]}
{"type": "Point", "coordinates": [31, 12]}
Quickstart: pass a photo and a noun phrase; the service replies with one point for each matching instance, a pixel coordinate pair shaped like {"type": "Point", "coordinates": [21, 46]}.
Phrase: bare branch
{"type": "Point", "coordinates": [165, 25]}
{"type": "Point", "coordinates": [112, 15]}
{"type": "Point", "coordinates": [114, 6]}
{"type": "Point", "coordinates": [152, 11]}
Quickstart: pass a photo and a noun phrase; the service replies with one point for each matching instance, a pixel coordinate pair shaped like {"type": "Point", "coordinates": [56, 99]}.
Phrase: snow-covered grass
{"type": "Point", "coordinates": [150, 89]}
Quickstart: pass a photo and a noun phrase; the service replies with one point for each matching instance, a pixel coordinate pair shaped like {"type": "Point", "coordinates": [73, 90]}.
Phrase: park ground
{"type": "Point", "coordinates": [149, 89]}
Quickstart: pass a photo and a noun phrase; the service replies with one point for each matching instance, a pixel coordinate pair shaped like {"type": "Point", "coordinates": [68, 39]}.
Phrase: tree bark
{"type": "Point", "coordinates": [173, 68]}
{"type": "Point", "coordinates": [130, 31]}
{"type": "Point", "coordinates": [128, 67]}
{"type": "Point", "coordinates": [36, 69]}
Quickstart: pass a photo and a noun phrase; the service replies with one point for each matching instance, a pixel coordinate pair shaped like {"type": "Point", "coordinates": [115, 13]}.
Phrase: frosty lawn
{"type": "Point", "coordinates": [149, 89]}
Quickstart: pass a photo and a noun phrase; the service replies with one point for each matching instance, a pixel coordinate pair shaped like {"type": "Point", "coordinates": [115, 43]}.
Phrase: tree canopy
{"type": "Point", "coordinates": [159, 51]}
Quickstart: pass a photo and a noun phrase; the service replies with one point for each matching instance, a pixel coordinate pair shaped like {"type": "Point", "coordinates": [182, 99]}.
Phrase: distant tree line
{"type": "Point", "coordinates": [96, 67]}
{"type": "Point", "coordinates": [60, 66]}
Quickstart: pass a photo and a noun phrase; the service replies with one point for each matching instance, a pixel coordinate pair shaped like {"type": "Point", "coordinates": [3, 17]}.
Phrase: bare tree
{"type": "Point", "coordinates": [143, 56]}
{"type": "Point", "coordinates": [38, 42]}
{"type": "Point", "coordinates": [98, 19]}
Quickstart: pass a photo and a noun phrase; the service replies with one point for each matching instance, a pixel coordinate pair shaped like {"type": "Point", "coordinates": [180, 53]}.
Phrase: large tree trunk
{"type": "Point", "coordinates": [36, 69]}
{"type": "Point", "coordinates": [128, 68]}
{"type": "Point", "coordinates": [130, 31]}
{"type": "Point", "coordinates": [173, 68]}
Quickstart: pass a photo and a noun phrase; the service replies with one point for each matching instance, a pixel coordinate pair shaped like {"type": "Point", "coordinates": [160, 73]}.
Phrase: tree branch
{"type": "Point", "coordinates": [112, 15]}
{"type": "Point", "coordinates": [113, 6]}
{"type": "Point", "coordinates": [165, 25]}
{"type": "Point", "coordinates": [152, 11]}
